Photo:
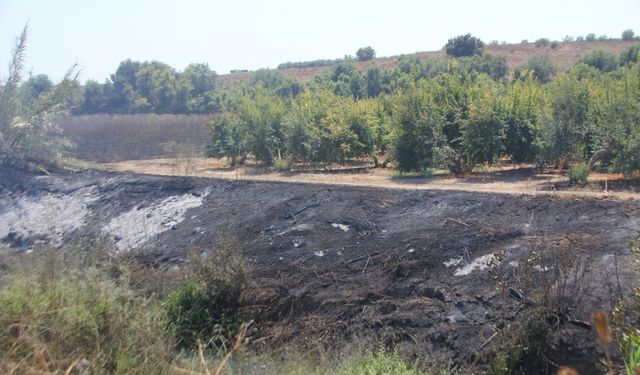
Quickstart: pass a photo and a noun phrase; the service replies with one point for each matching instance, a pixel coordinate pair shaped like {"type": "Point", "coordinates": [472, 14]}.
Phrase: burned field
{"type": "Point", "coordinates": [439, 274]}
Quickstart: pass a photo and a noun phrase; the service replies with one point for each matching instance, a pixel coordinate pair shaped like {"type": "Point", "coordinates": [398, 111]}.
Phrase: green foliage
{"type": "Point", "coordinates": [205, 308]}
{"type": "Point", "coordinates": [590, 37]}
{"type": "Point", "coordinates": [600, 59]}
{"type": "Point", "coordinates": [311, 64]}
{"type": "Point", "coordinates": [365, 54]}
{"type": "Point", "coordinates": [473, 125]}
{"type": "Point", "coordinates": [542, 42]}
{"type": "Point", "coordinates": [525, 114]}
{"type": "Point", "coordinates": [54, 314]}
{"type": "Point", "coordinates": [28, 129]}
{"type": "Point", "coordinates": [628, 34]}
{"type": "Point", "coordinates": [229, 138]}
{"type": "Point", "coordinates": [541, 67]}
{"type": "Point", "coordinates": [418, 124]}
{"type": "Point", "coordinates": [579, 174]}
{"type": "Point", "coordinates": [379, 363]}
{"type": "Point", "coordinates": [630, 55]}
{"type": "Point", "coordinates": [281, 165]}
{"type": "Point", "coordinates": [495, 66]}
{"type": "Point", "coordinates": [464, 45]}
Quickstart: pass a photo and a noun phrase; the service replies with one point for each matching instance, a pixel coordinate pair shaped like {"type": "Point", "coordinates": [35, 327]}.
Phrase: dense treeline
{"type": "Point", "coordinates": [454, 112]}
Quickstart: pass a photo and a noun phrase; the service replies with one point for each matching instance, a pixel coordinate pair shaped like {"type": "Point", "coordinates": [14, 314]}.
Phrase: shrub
{"type": "Point", "coordinates": [555, 44]}
{"type": "Point", "coordinates": [630, 55]}
{"type": "Point", "coordinates": [600, 59]}
{"type": "Point", "coordinates": [542, 42]}
{"type": "Point", "coordinates": [464, 45]}
{"type": "Point", "coordinates": [194, 313]}
{"type": "Point", "coordinates": [579, 174]}
{"type": "Point", "coordinates": [281, 165]}
{"type": "Point", "coordinates": [541, 66]}
{"type": "Point", "coordinates": [365, 54]}
{"type": "Point", "coordinates": [590, 37]}
{"type": "Point", "coordinates": [205, 308]}
{"type": "Point", "coordinates": [628, 34]}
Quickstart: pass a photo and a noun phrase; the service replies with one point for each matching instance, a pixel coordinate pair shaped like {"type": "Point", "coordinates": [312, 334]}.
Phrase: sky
{"type": "Point", "coordinates": [253, 34]}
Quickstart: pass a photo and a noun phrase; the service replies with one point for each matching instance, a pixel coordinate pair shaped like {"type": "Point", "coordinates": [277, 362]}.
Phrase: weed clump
{"type": "Point", "coordinates": [206, 307]}
{"type": "Point", "coordinates": [579, 174]}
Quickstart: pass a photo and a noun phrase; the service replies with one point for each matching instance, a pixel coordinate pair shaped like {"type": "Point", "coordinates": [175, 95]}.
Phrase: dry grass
{"type": "Point", "coordinates": [104, 137]}
{"type": "Point", "coordinates": [505, 179]}
{"type": "Point", "coordinates": [565, 55]}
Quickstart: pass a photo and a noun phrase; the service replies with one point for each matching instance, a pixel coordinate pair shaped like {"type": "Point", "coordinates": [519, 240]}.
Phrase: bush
{"type": "Point", "coordinates": [464, 45]}
{"type": "Point", "coordinates": [205, 308]}
{"type": "Point", "coordinates": [281, 165]}
{"type": "Point", "coordinates": [578, 174]}
{"type": "Point", "coordinates": [194, 313]}
{"type": "Point", "coordinates": [630, 55]}
{"type": "Point", "coordinates": [541, 66]}
{"type": "Point", "coordinates": [628, 34]}
{"type": "Point", "coordinates": [542, 42]}
{"type": "Point", "coordinates": [590, 37]}
{"type": "Point", "coordinates": [365, 54]}
{"type": "Point", "coordinates": [600, 59]}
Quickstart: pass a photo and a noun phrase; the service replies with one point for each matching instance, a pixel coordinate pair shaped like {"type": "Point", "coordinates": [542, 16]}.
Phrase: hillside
{"type": "Point", "coordinates": [565, 55]}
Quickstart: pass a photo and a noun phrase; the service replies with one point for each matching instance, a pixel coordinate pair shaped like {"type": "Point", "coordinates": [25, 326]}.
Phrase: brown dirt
{"type": "Point", "coordinates": [565, 56]}
{"type": "Point", "coordinates": [515, 180]}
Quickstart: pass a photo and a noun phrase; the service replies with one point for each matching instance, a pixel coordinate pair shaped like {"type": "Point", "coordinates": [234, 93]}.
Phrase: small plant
{"type": "Point", "coordinates": [205, 308]}
{"type": "Point", "coordinates": [579, 174]}
{"type": "Point", "coordinates": [400, 175]}
{"type": "Point", "coordinates": [378, 363]}
{"type": "Point", "coordinates": [281, 165]}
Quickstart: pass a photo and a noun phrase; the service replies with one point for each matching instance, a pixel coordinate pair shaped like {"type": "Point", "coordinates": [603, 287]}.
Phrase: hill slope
{"type": "Point", "coordinates": [565, 55]}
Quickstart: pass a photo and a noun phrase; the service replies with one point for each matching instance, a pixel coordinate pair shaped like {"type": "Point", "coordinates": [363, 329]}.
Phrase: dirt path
{"type": "Point", "coordinates": [506, 180]}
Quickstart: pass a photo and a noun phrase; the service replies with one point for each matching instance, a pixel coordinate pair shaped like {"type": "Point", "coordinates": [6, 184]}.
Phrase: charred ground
{"type": "Point", "coordinates": [434, 273]}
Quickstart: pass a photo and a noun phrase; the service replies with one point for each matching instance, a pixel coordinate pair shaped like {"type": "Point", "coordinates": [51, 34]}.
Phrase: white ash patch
{"type": "Point", "coordinates": [48, 216]}
{"type": "Point", "coordinates": [318, 253]}
{"type": "Point", "coordinates": [137, 226]}
{"type": "Point", "coordinates": [343, 227]}
{"type": "Point", "coordinates": [478, 264]}
{"type": "Point", "coordinates": [453, 262]}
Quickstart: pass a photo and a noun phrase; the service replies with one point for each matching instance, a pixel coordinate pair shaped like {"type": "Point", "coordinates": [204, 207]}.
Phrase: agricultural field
{"type": "Point", "coordinates": [470, 210]}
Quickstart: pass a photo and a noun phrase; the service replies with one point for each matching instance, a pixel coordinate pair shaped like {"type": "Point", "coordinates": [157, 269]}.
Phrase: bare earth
{"type": "Point", "coordinates": [508, 180]}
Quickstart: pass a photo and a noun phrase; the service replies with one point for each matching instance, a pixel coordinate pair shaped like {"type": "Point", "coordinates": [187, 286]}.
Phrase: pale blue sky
{"type": "Point", "coordinates": [251, 34]}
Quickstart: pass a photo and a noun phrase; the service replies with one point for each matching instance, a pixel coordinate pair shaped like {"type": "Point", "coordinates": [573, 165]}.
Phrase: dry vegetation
{"type": "Point", "coordinates": [565, 55]}
{"type": "Point", "coordinates": [103, 138]}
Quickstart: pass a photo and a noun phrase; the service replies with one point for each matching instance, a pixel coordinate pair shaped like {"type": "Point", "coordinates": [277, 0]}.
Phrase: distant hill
{"type": "Point", "coordinates": [565, 55]}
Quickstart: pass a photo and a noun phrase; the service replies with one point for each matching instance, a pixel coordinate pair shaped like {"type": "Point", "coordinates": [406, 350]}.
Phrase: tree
{"type": "Point", "coordinates": [229, 138]}
{"type": "Point", "coordinates": [374, 85]}
{"type": "Point", "coordinates": [590, 37]}
{"type": "Point", "coordinates": [541, 66]}
{"type": "Point", "coordinates": [28, 132]}
{"type": "Point", "coordinates": [600, 59]}
{"type": "Point", "coordinates": [418, 125]}
{"type": "Point", "coordinates": [525, 112]}
{"type": "Point", "coordinates": [464, 45]}
{"type": "Point", "coordinates": [628, 34]}
{"type": "Point", "coordinates": [365, 54]}
{"type": "Point", "coordinates": [630, 55]}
